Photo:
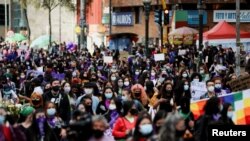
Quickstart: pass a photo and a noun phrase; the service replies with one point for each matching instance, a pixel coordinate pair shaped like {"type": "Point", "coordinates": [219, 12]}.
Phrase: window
{"type": "Point", "coordinates": [2, 14]}
{"type": "Point", "coordinates": [137, 15]}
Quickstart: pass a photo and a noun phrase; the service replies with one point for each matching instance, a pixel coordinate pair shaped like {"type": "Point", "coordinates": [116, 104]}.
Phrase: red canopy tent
{"type": "Point", "coordinates": [223, 30]}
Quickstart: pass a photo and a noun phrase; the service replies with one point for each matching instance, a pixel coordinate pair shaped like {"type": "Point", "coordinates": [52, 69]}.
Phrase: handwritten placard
{"type": "Point", "coordinates": [198, 89]}
{"type": "Point", "coordinates": [242, 83]}
{"type": "Point", "coordinates": [159, 57]}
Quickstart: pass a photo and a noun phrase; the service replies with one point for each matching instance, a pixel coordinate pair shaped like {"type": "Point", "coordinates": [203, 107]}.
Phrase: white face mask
{"type": "Point", "coordinates": [153, 73]}
{"type": "Point", "coordinates": [137, 72]}
{"type": "Point", "coordinates": [210, 88]}
{"type": "Point", "coordinates": [196, 80]}
{"type": "Point", "coordinates": [230, 114]}
{"type": "Point", "coordinates": [184, 75]}
{"type": "Point", "coordinates": [126, 83]}
{"type": "Point", "coordinates": [67, 89]}
{"type": "Point", "coordinates": [202, 71]}
{"type": "Point", "coordinates": [124, 98]}
{"type": "Point", "coordinates": [146, 129]}
{"type": "Point", "coordinates": [88, 91]}
{"type": "Point", "coordinates": [112, 107]}
{"type": "Point", "coordinates": [113, 78]}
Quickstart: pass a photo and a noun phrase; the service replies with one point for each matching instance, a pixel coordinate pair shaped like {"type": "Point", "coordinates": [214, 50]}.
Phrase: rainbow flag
{"type": "Point", "coordinates": [240, 102]}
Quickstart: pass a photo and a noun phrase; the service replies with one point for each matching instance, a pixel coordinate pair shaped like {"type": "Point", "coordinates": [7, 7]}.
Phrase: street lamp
{"type": "Point", "coordinates": [147, 12]}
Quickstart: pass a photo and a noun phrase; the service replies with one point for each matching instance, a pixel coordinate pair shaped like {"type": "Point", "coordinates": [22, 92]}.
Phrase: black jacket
{"type": "Point", "coordinates": [62, 103]}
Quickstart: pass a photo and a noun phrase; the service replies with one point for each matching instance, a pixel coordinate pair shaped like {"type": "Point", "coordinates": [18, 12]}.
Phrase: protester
{"type": "Point", "coordinates": [173, 129]}
{"type": "Point", "coordinates": [124, 125]}
{"type": "Point", "coordinates": [53, 95]}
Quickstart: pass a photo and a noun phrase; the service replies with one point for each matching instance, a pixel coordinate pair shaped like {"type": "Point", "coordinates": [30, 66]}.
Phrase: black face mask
{"type": "Point", "coordinates": [179, 133]}
{"type": "Point", "coordinates": [137, 94]}
{"type": "Point", "coordinates": [98, 134]}
{"type": "Point", "coordinates": [134, 111]}
{"type": "Point", "coordinates": [36, 102]}
{"type": "Point", "coordinates": [56, 88]}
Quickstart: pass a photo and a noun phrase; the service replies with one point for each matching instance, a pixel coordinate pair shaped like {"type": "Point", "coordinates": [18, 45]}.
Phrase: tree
{"type": "Point", "coordinates": [50, 5]}
{"type": "Point", "coordinates": [24, 17]}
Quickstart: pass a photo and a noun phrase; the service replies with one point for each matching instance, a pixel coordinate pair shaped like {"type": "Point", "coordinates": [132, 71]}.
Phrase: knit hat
{"type": "Point", "coordinates": [26, 110]}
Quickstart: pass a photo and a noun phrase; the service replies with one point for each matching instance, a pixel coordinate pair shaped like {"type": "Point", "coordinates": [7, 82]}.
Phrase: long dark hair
{"type": "Point", "coordinates": [103, 95]}
{"type": "Point", "coordinates": [212, 106]}
{"type": "Point", "coordinates": [127, 106]}
{"type": "Point", "coordinates": [137, 133]}
{"type": "Point", "coordinates": [224, 110]}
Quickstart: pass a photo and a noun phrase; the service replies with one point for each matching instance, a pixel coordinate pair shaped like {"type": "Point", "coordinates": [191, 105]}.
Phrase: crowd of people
{"type": "Point", "coordinates": [61, 95]}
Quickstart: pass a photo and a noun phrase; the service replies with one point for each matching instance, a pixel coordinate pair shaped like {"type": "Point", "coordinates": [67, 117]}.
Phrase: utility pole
{"type": "Point", "coordinates": [83, 24]}
{"type": "Point", "coordinates": [238, 37]}
{"type": "Point", "coordinates": [5, 16]}
{"type": "Point", "coordinates": [60, 22]}
{"type": "Point", "coordinates": [110, 17]}
{"type": "Point", "coordinates": [10, 15]}
{"type": "Point", "coordinates": [201, 8]}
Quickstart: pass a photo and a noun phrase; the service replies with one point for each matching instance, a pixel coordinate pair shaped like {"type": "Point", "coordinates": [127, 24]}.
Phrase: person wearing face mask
{"type": "Point", "coordinates": [60, 99]}
{"type": "Point", "coordinates": [196, 77]}
{"type": "Point", "coordinates": [72, 97]}
{"type": "Point", "coordinates": [107, 97]}
{"type": "Point", "coordinates": [210, 89]}
{"type": "Point", "coordinates": [125, 124]}
{"type": "Point", "coordinates": [139, 93]}
{"type": "Point", "coordinates": [218, 87]}
{"type": "Point", "coordinates": [136, 75]}
{"type": "Point", "coordinates": [119, 86]}
{"type": "Point", "coordinates": [114, 111]}
{"type": "Point", "coordinates": [89, 91]}
{"type": "Point", "coordinates": [41, 129]}
{"type": "Point", "coordinates": [53, 120]}
{"type": "Point", "coordinates": [204, 73]}
{"type": "Point", "coordinates": [211, 116]}
{"type": "Point", "coordinates": [126, 82]}
{"type": "Point", "coordinates": [99, 126]}
{"type": "Point", "coordinates": [143, 128]}
{"type": "Point", "coordinates": [26, 120]}
{"type": "Point", "coordinates": [127, 96]}
{"type": "Point", "coordinates": [186, 88]}
{"type": "Point", "coordinates": [188, 116]}
{"type": "Point", "coordinates": [153, 76]}
{"type": "Point", "coordinates": [164, 100]}
{"type": "Point", "coordinates": [227, 114]}
{"type": "Point", "coordinates": [173, 129]}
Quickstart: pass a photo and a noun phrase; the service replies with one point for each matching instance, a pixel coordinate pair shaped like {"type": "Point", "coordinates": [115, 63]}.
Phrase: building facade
{"type": "Point", "coordinates": [185, 11]}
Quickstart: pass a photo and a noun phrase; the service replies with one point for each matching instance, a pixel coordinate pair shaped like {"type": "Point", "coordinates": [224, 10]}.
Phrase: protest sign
{"type": "Point", "coordinates": [240, 84]}
{"type": "Point", "coordinates": [198, 89]}
{"type": "Point", "coordinates": [159, 57]}
{"type": "Point", "coordinates": [108, 59]}
{"type": "Point", "coordinates": [182, 52]}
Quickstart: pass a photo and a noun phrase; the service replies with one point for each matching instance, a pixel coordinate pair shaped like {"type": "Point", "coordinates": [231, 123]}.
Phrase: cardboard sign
{"type": "Point", "coordinates": [198, 89]}
{"type": "Point", "coordinates": [159, 57]}
{"type": "Point", "coordinates": [182, 52]}
{"type": "Point", "coordinates": [240, 84]}
{"type": "Point", "coordinates": [108, 59]}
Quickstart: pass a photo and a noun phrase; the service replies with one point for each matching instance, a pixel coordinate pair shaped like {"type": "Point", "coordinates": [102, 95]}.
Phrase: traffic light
{"type": "Point", "coordinates": [158, 16]}
{"type": "Point", "coordinates": [166, 17]}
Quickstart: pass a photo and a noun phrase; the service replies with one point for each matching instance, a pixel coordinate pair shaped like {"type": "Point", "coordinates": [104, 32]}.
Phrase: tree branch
{"type": "Point", "coordinates": [54, 7]}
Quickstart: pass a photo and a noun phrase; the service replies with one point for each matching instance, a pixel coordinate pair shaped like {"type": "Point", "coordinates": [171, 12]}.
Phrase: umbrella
{"type": "Point", "coordinates": [184, 31]}
{"type": "Point", "coordinates": [41, 42]}
{"type": "Point", "coordinates": [183, 35]}
{"type": "Point", "coordinates": [17, 37]}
